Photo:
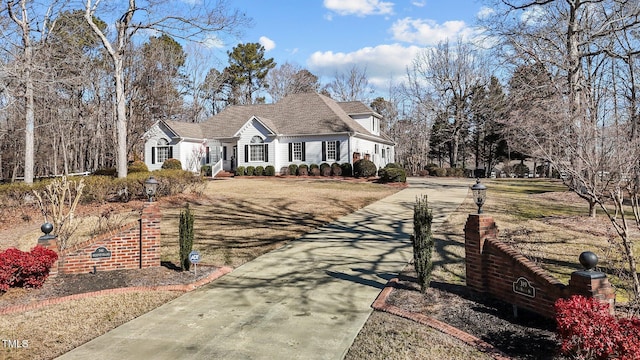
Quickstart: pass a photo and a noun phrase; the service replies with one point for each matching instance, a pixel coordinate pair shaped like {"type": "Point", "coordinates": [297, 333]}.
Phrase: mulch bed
{"type": "Point", "coordinates": [72, 284]}
{"type": "Point", "coordinates": [529, 336]}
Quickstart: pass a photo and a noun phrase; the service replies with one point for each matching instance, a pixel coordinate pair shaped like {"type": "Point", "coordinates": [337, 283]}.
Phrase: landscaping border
{"type": "Point", "coordinates": [176, 287]}
{"type": "Point", "coordinates": [380, 304]}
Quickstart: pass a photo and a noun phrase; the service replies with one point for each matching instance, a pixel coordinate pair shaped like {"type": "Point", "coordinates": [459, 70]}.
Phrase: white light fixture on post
{"type": "Point", "coordinates": [479, 194]}
{"type": "Point", "coordinates": [150, 187]}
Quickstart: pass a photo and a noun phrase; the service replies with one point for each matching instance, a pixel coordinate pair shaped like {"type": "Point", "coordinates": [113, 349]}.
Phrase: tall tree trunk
{"type": "Point", "coordinates": [121, 120]}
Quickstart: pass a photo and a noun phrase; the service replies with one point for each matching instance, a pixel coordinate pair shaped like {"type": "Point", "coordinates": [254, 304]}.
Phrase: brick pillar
{"type": "Point", "coordinates": [593, 284]}
{"type": "Point", "coordinates": [150, 235]}
{"type": "Point", "coordinates": [50, 242]}
{"type": "Point", "coordinates": [478, 228]}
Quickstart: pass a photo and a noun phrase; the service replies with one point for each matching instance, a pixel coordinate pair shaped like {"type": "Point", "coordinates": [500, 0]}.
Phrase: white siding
{"type": "Point", "coordinates": [369, 122]}
{"type": "Point", "coordinates": [254, 128]}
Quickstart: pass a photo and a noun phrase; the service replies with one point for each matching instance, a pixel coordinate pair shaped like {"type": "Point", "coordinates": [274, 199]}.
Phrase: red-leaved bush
{"type": "Point", "coordinates": [25, 269]}
{"type": "Point", "coordinates": [588, 331]}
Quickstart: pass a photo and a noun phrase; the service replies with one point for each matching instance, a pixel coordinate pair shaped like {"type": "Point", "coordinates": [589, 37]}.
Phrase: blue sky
{"type": "Point", "coordinates": [329, 36]}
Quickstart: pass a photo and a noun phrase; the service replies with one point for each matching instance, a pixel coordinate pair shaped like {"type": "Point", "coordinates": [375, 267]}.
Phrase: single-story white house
{"type": "Point", "coordinates": [300, 129]}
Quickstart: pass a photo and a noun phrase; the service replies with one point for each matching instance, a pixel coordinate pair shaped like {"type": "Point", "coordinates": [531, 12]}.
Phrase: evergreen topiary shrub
{"type": "Point", "coordinates": [250, 170]}
{"type": "Point", "coordinates": [284, 171]}
{"type": "Point", "coordinates": [137, 166]}
{"type": "Point", "coordinates": [186, 237]}
{"type": "Point", "coordinates": [172, 164]}
{"type": "Point", "coordinates": [347, 169]}
{"type": "Point", "coordinates": [314, 166]}
{"type": "Point", "coordinates": [270, 170]}
{"type": "Point", "coordinates": [393, 165]}
{"type": "Point", "coordinates": [240, 171]}
{"type": "Point", "coordinates": [388, 175]}
{"type": "Point", "coordinates": [259, 171]}
{"type": "Point", "coordinates": [303, 170]}
{"type": "Point", "coordinates": [336, 170]}
{"type": "Point", "coordinates": [205, 170]}
{"type": "Point", "coordinates": [325, 169]}
{"type": "Point", "coordinates": [364, 168]}
{"type": "Point", "coordinates": [422, 242]}
{"type": "Point", "coordinates": [293, 169]}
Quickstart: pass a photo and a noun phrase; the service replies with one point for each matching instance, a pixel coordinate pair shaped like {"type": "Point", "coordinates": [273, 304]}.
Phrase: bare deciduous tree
{"type": "Point", "coordinates": [350, 86]}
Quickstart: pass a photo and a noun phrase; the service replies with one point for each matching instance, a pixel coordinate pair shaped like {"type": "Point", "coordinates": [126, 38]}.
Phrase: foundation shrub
{"type": "Point", "coordinates": [303, 170]}
{"type": "Point", "coordinates": [205, 170]}
{"type": "Point", "coordinates": [364, 168]}
{"type": "Point", "coordinates": [336, 170]}
{"type": "Point", "coordinates": [172, 164]}
{"type": "Point", "coordinates": [587, 330]}
{"type": "Point", "coordinates": [137, 166]}
{"type": "Point", "coordinates": [293, 169]}
{"type": "Point", "coordinates": [284, 171]}
{"type": "Point", "coordinates": [259, 171]}
{"type": "Point", "coordinates": [312, 169]}
{"type": "Point", "coordinates": [325, 169]}
{"type": "Point", "coordinates": [240, 171]}
{"type": "Point", "coordinates": [250, 170]}
{"type": "Point", "coordinates": [269, 171]}
{"type": "Point", "coordinates": [347, 169]}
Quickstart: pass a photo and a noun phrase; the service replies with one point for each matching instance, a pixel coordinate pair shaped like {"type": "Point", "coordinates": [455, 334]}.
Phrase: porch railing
{"type": "Point", "coordinates": [216, 168]}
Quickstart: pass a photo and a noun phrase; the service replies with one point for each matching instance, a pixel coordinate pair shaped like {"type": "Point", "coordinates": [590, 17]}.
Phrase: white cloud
{"type": "Point", "coordinates": [419, 3]}
{"type": "Point", "coordinates": [428, 32]}
{"type": "Point", "coordinates": [359, 7]}
{"type": "Point", "coordinates": [485, 12]}
{"type": "Point", "coordinates": [267, 43]}
{"type": "Point", "coordinates": [383, 63]}
{"type": "Point", "coordinates": [213, 42]}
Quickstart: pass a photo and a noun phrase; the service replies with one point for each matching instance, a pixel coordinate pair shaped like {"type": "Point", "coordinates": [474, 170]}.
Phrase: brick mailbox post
{"type": "Point", "coordinates": [496, 269]}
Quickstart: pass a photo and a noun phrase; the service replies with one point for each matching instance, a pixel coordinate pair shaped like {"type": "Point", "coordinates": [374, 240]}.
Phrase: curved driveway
{"type": "Point", "coordinates": [306, 300]}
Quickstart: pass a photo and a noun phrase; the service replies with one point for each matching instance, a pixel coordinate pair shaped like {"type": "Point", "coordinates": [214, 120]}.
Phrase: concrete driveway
{"type": "Point", "coordinates": [307, 300]}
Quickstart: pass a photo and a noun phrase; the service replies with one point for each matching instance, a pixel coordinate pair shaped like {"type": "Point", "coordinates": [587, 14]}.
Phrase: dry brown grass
{"type": "Point", "coordinates": [243, 218]}
{"type": "Point", "coordinates": [56, 329]}
{"type": "Point", "coordinates": [391, 337]}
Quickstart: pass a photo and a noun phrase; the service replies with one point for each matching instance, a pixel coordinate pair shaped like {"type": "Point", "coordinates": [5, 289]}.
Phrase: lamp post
{"type": "Point", "coordinates": [479, 194]}
{"type": "Point", "coordinates": [150, 187]}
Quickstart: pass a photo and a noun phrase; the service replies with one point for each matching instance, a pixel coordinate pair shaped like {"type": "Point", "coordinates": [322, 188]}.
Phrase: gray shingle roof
{"type": "Point", "coordinates": [297, 114]}
{"type": "Point", "coordinates": [188, 130]}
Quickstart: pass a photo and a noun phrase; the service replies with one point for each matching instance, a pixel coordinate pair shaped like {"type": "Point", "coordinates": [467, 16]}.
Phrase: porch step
{"type": "Point", "coordinates": [224, 174]}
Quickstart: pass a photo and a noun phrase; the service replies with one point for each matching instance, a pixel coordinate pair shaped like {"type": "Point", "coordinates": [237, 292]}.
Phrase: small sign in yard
{"type": "Point", "coordinates": [194, 257]}
{"type": "Point", "coordinates": [101, 253]}
{"type": "Point", "coordinates": [522, 286]}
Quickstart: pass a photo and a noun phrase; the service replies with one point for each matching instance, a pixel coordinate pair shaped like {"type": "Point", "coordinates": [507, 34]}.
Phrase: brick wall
{"type": "Point", "coordinates": [118, 249]}
{"type": "Point", "coordinates": [495, 268]}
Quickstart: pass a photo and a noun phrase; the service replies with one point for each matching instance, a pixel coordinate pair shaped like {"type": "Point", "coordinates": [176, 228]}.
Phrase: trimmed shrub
{"type": "Point", "coordinates": [521, 170]}
{"type": "Point", "coordinates": [172, 164]}
{"type": "Point", "coordinates": [393, 165]}
{"type": "Point", "coordinates": [205, 170]}
{"type": "Point", "coordinates": [303, 170]}
{"type": "Point", "coordinates": [25, 269]}
{"type": "Point", "coordinates": [284, 171]}
{"type": "Point", "coordinates": [315, 171]}
{"type": "Point", "coordinates": [293, 169]}
{"type": "Point", "coordinates": [587, 330]}
{"type": "Point", "coordinates": [185, 229]}
{"type": "Point", "coordinates": [336, 170]}
{"type": "Point", "coordinates": [439, 172]}
{"type": "Point", "coordinates": [250, 170]}
{"type": "Point", "coordinates": [388, 175]}
{"type": "Point", "coordinates": [270, 170]}
{"type": "Point", "coordinates": [422, 242]}
{"type": "Point", "coordinates": [347, 169]}
{"type": "Point", "coordinates": [455, 172]}
{"type": "Point", "coordinates": [325, 169]}
{"type": "Point", "coordinates": [259, 171]}
{"type": "Point", "coordinates": [314, 166]}
{"type": "Point", "coordinates": [106, 172]}
{"type": "Point", "coordinates": [240, 171]}
{"type": "Point", "coordinates": [364, 168]}
{"type": "Point", "coordinates": [137, 166]}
